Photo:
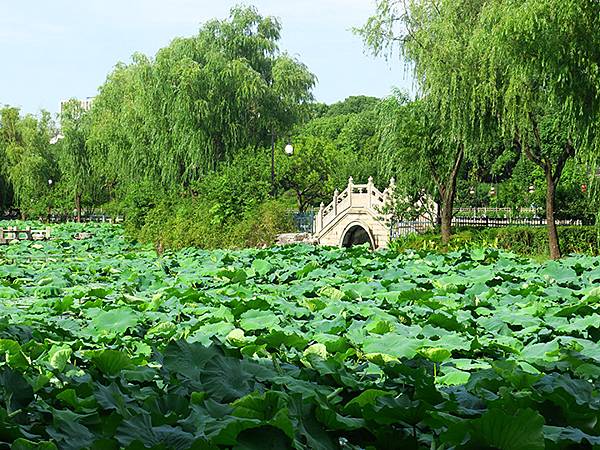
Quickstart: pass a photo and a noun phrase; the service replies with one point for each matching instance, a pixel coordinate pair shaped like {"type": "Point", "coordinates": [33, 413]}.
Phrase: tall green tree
{"type": "Point", "coordinates": [522, 66]}
{"type": "Point", "coordinates": [27, 159]}
{"type": "Point", "coordinates": [425, 161]}
{"type": "Point", "coordinates": [75, 159]}
{"type": "Point", "coordinates": [174, 118]}
{"type": "Point", "coordinates": [434, 53]}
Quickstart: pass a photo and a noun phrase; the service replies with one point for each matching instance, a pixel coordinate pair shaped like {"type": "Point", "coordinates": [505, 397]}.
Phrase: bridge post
{"type": "Point", "coordinates": [319, 226]}
{"type": "Point", "coordinates": [336, 195]}
{"type": "Point", "coordinates": [370, 191]}
{"type": "Point", "coordinates": [350, 190]}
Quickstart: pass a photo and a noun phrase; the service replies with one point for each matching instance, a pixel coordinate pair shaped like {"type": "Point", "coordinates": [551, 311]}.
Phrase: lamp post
{"type": "Point", "coordinates": [472, 193]}
{"type": "Point", "coordinates": [531, 191]}
{"type": "Point", "coordinates": [50, 182]}
{"type": "Point", "coordinates": [289, 151]}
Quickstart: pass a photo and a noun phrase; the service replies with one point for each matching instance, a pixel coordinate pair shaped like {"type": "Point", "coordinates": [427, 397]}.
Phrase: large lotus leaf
{"type": "Point", "coordinates": [58, 356]}
{"type": "Point", "coordinates": [575, 397]}
{"type": "Point", "coordinates": [111, 362]}
{"type": "Point", "coordinates": [24, 444]}
{"type": "Point", "coordinates": [286, 337]}
{"type": "Point", "coordinates": [226, 379]}
{"type": "Point", "coordinates": [139, 429]}
{"type": "Point", "coordinates": [115, 321]}
{"type": "Point", "coordinates": [15, 390]}
{"type": "Point", "coordinates": [205, 333]}
{"type": "Point", "coordinates": [435, 354]}
{"type": "Point", "coordinates": [392, 345]}
{"type": "Point", "coordinates": [565, 436]}
{"type": "Point", "coordinates": [68, 432]}
{"type": "Point", "coordinates": [453, 377]}
{"type": "Point", "coordinates": [13, 354]}
{"type": "Point", "coordinates": [187, 359]}
{"type": "Point", "coordinates": [545, 351]}
{"type": "Point", "coordinates": [308, 427]}
{"type": "Point", "coordinates": [521, 430]}
{"type": "Point", "coordinates": [261, 267]}
{"type": "Point", "coordinates": [258, 320]}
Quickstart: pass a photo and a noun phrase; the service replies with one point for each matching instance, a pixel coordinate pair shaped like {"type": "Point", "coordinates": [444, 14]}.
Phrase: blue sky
{"type": "Point", "coordinates": [54, 50]}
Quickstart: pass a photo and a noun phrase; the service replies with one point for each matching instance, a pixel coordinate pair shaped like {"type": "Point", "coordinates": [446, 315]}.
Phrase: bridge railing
{"type": "Point", "coordinates": [355, 195]}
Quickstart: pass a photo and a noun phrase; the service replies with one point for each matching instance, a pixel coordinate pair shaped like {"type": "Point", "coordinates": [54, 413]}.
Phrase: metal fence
{"type": "Point", "coordinates": [401, 229]}
{"type": "Point", "coordinates": [496, 222]}
{"type": "Point", "coordinates": [304, 222]}
{"type": "Point", "coordinates": [62, 218]}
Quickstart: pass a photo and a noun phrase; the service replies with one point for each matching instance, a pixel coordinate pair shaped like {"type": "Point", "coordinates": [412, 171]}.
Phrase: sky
{"type": "Point", "coordinates": [60, 49]}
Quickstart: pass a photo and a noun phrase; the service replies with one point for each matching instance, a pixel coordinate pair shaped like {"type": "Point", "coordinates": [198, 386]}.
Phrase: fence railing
{"type": "Point", "coordinates": [496, 212]}
{"type": "Point", "coordinates": [405, 228]}
{"type": "Point", "coordinates": [496, 222]}
{"type": "Point", "coordinates": [62, 218]}
{"type": "Point", "coordinates": [304, 222]}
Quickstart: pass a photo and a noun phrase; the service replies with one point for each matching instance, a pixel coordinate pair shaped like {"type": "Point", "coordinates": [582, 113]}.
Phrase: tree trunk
{"type": "Point", "coordinates": [551, 222]}
{"type": "Point", "coordinates": [448, 194]}
{"type": "Point", "coordinates": [301, 202]}
{"type": "Point", "coordinates": [78, 206]}
{"type": "Point", "coordinates": [446, 219]}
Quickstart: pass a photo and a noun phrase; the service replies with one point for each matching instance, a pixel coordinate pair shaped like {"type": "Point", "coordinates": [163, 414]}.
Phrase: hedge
{"type": "Point", "coordinates": [530, 241]}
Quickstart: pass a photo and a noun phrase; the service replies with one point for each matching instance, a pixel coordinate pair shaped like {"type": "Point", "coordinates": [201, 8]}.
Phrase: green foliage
{"type": "Point", "coordinates": [525, 72]}
{"type": "Point", "coordinates": [531, 241]}
{"type": "Point", "coordinates": [27, 161]}
{"type": "Point", "coordinates": [294, 347]}
{"type": "Point", "coordinates": [355, 104]}
{"type": "Point", "coordinates": [309, 171]}
{"type": "Point", "coordinates": [237, 187]}
{"type": "Point", "coordinates": [199, 223]}
{"type": "Point", "coordinates": [74, 157]}
{"type": "Point", "coordinates": [174, 118]}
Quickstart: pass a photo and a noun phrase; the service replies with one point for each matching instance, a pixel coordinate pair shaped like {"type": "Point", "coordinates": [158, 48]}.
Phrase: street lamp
{"type": "Point", "coordinates": [50, 201]}
{"type": "Point", "coordinates": [473, 204]}
{"type": "Point", "coordinates": [289, 149]}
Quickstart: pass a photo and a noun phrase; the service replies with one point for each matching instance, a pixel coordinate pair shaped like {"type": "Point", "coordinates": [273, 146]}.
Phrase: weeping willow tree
{"type": "Point", "coordinates": [173, 118]}
{"type": "Point", "coordinates": [75, 155]}
{"type": "Point", "coordinates": [528, 66]}
{"type": "Point", "coordinates": [27, 160]}
{"type": "Point", "coordinates": [425, 162]}
{"type": "Point", "coordinates": [436, 49]}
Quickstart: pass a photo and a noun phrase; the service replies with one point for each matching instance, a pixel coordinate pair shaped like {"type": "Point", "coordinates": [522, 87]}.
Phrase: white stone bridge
{"type": "Point", "coordinates": [355, 217]}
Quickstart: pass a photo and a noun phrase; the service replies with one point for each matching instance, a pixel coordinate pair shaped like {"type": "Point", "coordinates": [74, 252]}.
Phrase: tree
{"type": "Point", "coordinates": [516, 66]}
{"type": "Point", "coordinates": [75, 154]}
{"type": "Point", "coordinates": [309, 171]}
{"type": "Point", "coordinates": [424, 161]}
{"type": "Point", "coordinates": [173, 119]}
{"type": "Point", "coordinates": [27, 162]}
{"type": "Point", "coordinates": [435, 54]}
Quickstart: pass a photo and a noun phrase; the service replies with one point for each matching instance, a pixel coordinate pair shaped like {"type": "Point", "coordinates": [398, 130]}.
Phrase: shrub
{"type": "Point", "coordinates": [531, 241]}
{"type": "Point", "coordinates": [195, 222]}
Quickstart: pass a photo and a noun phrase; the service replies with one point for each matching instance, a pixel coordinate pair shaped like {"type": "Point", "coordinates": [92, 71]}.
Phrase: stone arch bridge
{"type": "Point", "coordinates": [355, 217]}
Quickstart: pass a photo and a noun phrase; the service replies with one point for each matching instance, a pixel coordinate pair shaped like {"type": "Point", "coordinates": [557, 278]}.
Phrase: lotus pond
{"type": "Point", "coordinates": [105, 345]}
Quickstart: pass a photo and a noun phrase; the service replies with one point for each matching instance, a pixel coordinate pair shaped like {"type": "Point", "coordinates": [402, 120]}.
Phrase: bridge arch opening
{"type": "Point", "coordinates": [357, 234]}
